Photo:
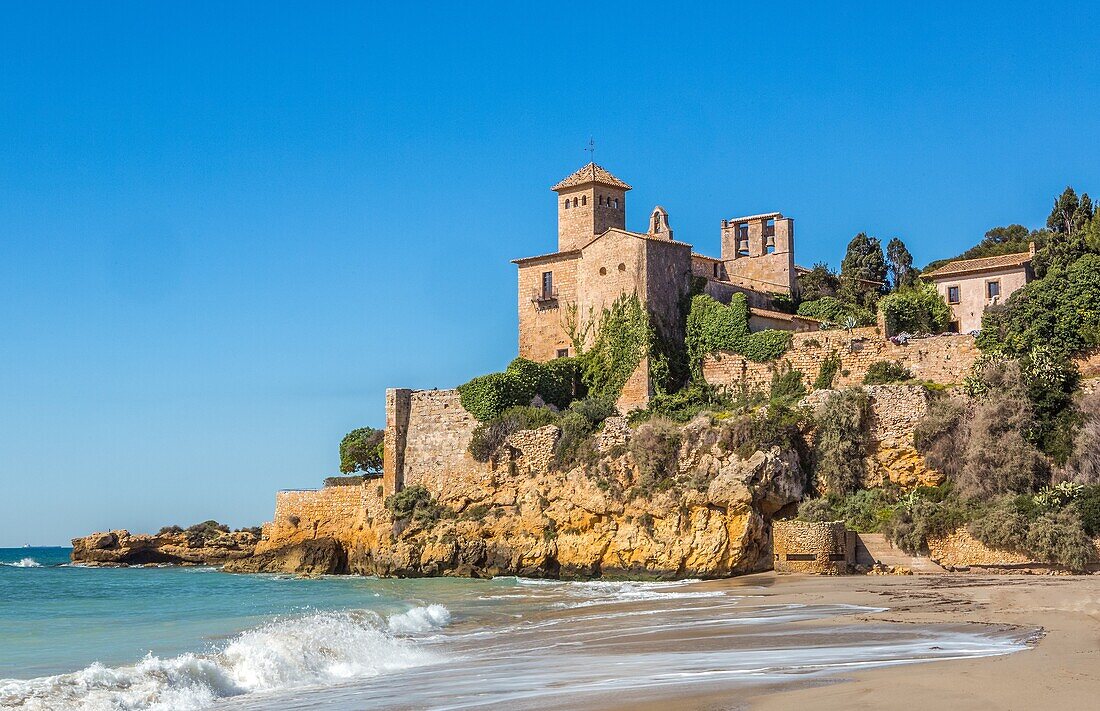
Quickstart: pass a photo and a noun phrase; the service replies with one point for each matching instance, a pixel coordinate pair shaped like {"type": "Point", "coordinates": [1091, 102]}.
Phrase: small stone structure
{"type": "Point", "coordinates": [820, 548]}
{"type": "Point", "coordinates": [427, 435]}
{"type": "Point", "coordinates": [941, 359]}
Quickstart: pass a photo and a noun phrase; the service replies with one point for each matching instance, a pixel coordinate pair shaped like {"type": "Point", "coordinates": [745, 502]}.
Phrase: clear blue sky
{"type": "Point", "coordinates": [225, 228]}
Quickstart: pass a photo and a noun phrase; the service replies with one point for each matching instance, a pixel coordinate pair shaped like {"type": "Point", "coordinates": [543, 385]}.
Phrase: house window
{"type": "Point", "coordinates": [547, 285]}
{"type": "Point", "coordinates": [716, 270]}
{"type": "Point", "coordinates": [563, 353]}
{"type": "Point", "coordinates": [993, 289]}
{"type": "Point", "coordinates": [952, 294]}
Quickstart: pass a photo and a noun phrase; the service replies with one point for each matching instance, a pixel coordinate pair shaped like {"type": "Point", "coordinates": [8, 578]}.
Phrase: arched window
{"type": "Point", "coordinates": [584, 199]}
{"type": "Point", "coordinates": [616, 203]}
{"type": "Point", "coordinates": [574, 202]}
{"type": "Point", "coordinates": [566, 203]}
{"type": "Point", "coordinates": [622, 267]}
{"type": "Point", "coordinates": [601, 199]}
{"type": "Point", "coordinates": [603, 271]}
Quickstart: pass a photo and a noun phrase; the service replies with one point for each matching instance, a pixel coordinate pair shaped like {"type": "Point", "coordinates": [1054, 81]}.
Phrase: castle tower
{"type": "Point", "coordinates": [590, 202]}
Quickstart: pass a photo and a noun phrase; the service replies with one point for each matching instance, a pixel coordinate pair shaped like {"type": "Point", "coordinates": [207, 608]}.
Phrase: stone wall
{"type": "Point", "coordinates": [542, 331]}
{"type": "Point", "coordinates": [812, 547]}
{"type": "Point", "coordinates": [959, 549]}
{"type": "Point", "coordinates": [333, 512]}
{"type": "Point", "coordinates": [940, 359]}
{"type": "Point", "coordinates": [438, 433]}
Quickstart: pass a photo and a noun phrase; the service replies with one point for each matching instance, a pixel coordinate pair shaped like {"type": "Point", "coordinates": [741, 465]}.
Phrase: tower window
{"type": "Point", "coordinates": [566, 203]}
{"type": "Point", "coordinates": [616, 203]}
{"type": "Point", "coordinates": [574, 202]}
{"type": "Point", "coordinates": [584, 199]}
{"type": "Point", "coordinates": [622, 267]}
{"type": "Point", "coordinates": [603, 271]}
{"type": "Point", "coordinates": [601, 199]}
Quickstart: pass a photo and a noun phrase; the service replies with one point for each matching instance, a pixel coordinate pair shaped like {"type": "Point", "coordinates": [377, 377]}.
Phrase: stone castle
{"type": "Point", "coordinates": [598, 259]}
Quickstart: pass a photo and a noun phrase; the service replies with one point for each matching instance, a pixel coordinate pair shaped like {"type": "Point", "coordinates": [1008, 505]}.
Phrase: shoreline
{"type": "Point", "coordinates": [1059, 616]}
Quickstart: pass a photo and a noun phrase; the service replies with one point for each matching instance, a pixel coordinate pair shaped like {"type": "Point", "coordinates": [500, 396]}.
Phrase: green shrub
{"type": "Point", "coordinates": [361, 451]}
{"type": "Point", "coordinates": [817, 510]}
{"type": "Point", "coordinates": [920, 309]}
{"type": "Point", "coordinates": [486, 396]}
{"type": "Point", "coordinates": [941, 436]}
{"type": "Point", "coordinates": [655, 447]}
{"type": "Point", "coordinates": [413, 502]}
{"type": "Point", "coordinates": [208, 528]}
{"type": "Point", "coordinates": [578, 429]}
{"type": "Point", "coordinates": [919, 517]}
{"type": "Point", "coordinates": [343, 481]}
{"type": "Point", "coordinates": [868, 510]}
{"type": "Point", "coordinates": [1060, 538]}
{"type": "Point", "coordinates": [776, 426]}
{"type": "Point", "coordinates": [840, 441]}
{"type": "Point", "coordinates": [764, 346]}
{"type": "Point", "coordinates": [826, 374]}
{"type": "Point", "coordinates": [686, 403]}
{"type": "Point", "coordinates": [170, 529]}
{"type": "Point", "coordinates": [786, 385]}
{"type": "Point", "coordinates": [834, 311]}
{"type": "Point", "coordinates": [1087, 506]}
{"type": "Point", "coordinates": [884, 371]}
{"type": "Point", "coordinates": [1003, 526]}
{"type": "Point", "coordinates": [489, 437]}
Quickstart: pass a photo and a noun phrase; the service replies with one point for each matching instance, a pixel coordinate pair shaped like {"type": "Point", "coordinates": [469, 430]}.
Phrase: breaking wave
{"type": "Point", "coordinates": [285, 654]}
{"type": "Point", "coordinates": [24, 563]}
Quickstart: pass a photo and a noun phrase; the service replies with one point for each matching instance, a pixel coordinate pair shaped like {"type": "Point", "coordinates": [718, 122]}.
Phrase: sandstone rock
{"type": "Point", "coordinates": [318, 556]}
{"type": "Point", "coordinates": [120, 548]}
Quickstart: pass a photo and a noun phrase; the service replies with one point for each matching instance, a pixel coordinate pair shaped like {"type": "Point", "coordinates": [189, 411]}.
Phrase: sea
{"type": "Point", "coordinates": [168, 638]}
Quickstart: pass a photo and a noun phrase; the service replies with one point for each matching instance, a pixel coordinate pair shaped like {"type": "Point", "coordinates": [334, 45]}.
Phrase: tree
{"type": "Point", "coordinates": [917, 309]}
{"type": "Point", "coordinates": [863, 271]}
{"type": "Point", "coordinates": [900, 264]}
{"type": "Point", "coordinates": [1069, 213]}
{"type": "Point", "coordinates": [361, 451]}
{"type": "Point", "coordinates": [1011, 239]}
{"type": "Point", "coordinates": [1070, 223]}
{"type": "Point", "coordinates": [817, 283]}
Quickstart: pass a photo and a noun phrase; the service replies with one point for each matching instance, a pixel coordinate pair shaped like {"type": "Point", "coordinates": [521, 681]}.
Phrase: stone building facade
{"type": "Point", "coordinates": [598, 259]}
{"type": "Point", "coordinates": [970, 285]}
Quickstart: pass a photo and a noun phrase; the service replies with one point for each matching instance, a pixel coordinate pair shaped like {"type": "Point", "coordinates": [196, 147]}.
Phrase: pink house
{"type": "Point", "coordinates": [970, 285]}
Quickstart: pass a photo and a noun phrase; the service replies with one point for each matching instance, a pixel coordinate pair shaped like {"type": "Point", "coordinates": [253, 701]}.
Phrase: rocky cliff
{"type": "Point", "coordinates": [523, 515]}
{"type": "Point", "coordinates": [117, 548]}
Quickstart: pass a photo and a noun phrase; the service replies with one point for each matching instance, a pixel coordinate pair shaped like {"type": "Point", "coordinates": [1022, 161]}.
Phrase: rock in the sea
{"type": "Point", "coordinates": [118, 548]}
{"type": "Point", "coordinates": [316, 556]}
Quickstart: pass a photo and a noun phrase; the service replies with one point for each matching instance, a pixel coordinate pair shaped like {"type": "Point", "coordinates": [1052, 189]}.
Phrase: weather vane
{"type": "Point", "coordinates": [591, 149]}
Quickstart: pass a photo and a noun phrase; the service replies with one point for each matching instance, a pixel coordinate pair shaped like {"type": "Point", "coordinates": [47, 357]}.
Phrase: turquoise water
{"type": "Point", "coordinates": [177, 639]}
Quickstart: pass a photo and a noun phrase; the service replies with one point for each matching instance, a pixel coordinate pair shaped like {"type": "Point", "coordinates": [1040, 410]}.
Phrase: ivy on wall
{"type": "Point", "coordinates": [712, 327]}
{"type": "Point", "coordinates": [623, 336]}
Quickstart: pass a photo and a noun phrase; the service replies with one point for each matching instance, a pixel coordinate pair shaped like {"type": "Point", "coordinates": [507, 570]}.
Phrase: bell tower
{"type": "Point", "coordinates": [590, 202]}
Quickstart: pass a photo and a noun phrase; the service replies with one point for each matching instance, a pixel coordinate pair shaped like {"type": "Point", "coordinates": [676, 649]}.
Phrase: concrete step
{"type": "Point", "coordinates": [876, 547]}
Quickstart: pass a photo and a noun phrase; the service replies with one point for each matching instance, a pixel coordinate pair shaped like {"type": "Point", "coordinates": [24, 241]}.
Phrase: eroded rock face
{"type": "Point", "coordinates": [525, 517]}
{"type": "Point", "coordinates": [117, 548]}
{"type": "Point", "coordinates": [318, 556]}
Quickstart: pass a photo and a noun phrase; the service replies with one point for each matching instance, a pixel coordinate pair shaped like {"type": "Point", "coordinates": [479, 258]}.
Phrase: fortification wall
{"type": "Point", "coordinates": [438, 431]}
{"type": "Point", "coordinates": [333, 512]}
{"type": "Point", "coordinates": [941, 359]}
{"type": "Point", "coordinates": [820, 548]}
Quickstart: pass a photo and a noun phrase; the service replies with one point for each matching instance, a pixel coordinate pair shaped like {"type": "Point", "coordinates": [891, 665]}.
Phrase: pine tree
{"type": "Point", "coordinates": [863, 271]}
{"type": "Point", "coordinates": [900, 263]}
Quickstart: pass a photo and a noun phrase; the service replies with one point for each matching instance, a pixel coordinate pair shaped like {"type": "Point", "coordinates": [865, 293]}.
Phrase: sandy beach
{"type": "Point", "coordinates": [1059, 614]}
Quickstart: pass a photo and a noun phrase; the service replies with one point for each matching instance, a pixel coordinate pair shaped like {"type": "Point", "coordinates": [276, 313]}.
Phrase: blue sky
{"type": "Point", "coordinates": [225, 229]}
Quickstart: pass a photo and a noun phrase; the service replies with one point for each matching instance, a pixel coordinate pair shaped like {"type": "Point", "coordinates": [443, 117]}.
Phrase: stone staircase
{"type": "Point", "coordinates": [875, 547]}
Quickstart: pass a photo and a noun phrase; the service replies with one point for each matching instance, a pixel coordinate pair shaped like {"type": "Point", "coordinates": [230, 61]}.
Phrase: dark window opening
{"type": "Point", "coordinates": [566, 203]}
{"type": "Point", "coordinates": [716, 270]}
{"type": "Point", "coordinates": [837, 557]}
{"type": "Point", "coordinates": [952, 294]}
{"type": "Point", "coordinates": [574, 202]}
{"type": "Point", "coordinates": [547, 285]}
{"type": "Point", "coordinates": [584, 199]}
{"type": "Point", "coordinates": [993, 289]}
{"type": "Point", "coordinates": [563, 353]}
{"type": "Point", "coordinates": [622, 267]}
{"type": "Point", "coordinates": [801, 556]}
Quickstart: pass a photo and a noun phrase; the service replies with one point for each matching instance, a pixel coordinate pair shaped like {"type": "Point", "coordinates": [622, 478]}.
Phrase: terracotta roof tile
{"type": "Point", "coordinates": [591, 173]}
{"type": "Point", "coordinates": [966, 266]}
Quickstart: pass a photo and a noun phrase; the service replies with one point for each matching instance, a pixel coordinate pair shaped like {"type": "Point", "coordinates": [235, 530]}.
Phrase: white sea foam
{"type": "Point", "coordinates": [24, 563]}
{"type": "Point", "coordinates": [420, 619]}
{"type": "Point", "coordinates": [286, 654]}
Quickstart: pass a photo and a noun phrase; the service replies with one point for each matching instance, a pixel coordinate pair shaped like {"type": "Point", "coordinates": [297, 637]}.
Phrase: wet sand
{"type": "Point", "coordinates": [1060, 615]}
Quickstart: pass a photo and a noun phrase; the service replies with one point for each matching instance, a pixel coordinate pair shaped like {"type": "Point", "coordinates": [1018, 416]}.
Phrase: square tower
{"type": "Point", "coordinates": [590, 202]}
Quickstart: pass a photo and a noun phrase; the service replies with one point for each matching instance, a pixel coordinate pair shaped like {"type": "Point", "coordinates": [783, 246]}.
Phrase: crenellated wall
{"type": "Point", "coordinates": [941, 359]}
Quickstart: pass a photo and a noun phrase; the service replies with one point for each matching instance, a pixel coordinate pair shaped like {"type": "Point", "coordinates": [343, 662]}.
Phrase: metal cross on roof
{"type": "Point", "coordinates": [591, 149]}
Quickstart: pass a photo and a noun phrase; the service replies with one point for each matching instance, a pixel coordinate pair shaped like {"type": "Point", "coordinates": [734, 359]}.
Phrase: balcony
{"type": "Point", "coordinates": [543, 296]}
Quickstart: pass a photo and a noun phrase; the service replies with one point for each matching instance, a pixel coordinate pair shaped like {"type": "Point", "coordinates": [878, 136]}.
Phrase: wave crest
{"type": "Point", "coordinates": [24, 563]}
{"type": "Point", "coordinates": [285, 654]}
